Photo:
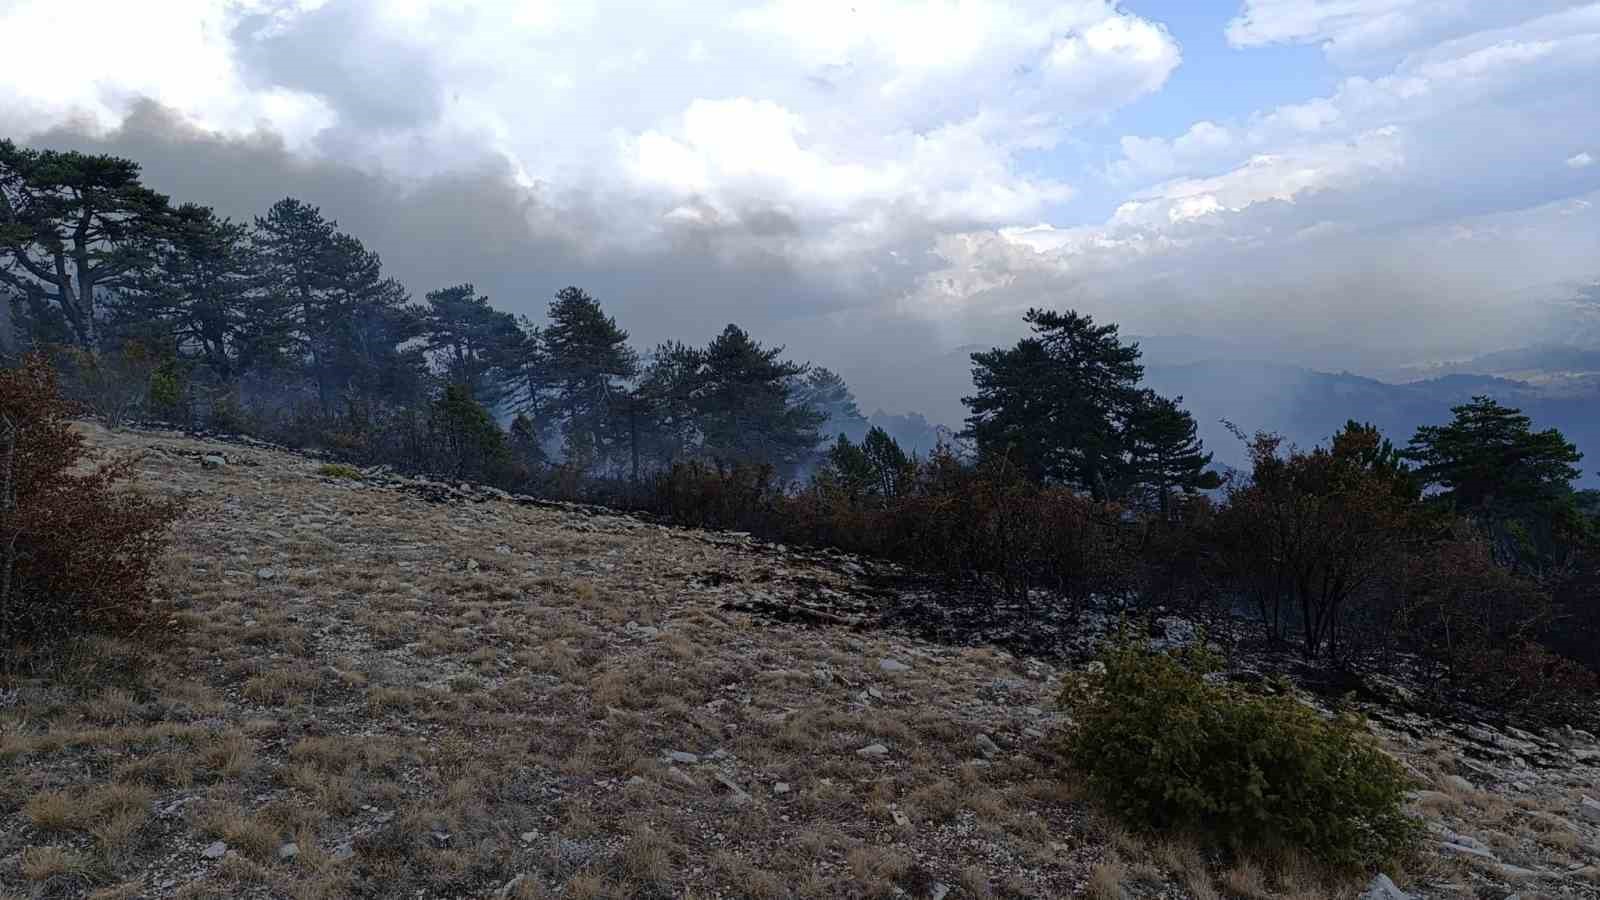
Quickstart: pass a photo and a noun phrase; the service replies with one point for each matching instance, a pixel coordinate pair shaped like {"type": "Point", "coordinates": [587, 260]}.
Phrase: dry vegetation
{"type": "Point", "coordinates": [353, 692]}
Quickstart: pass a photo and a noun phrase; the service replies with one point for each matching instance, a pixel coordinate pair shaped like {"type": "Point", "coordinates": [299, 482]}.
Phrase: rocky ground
{"type": "Point", "coordinates": [385, 687]}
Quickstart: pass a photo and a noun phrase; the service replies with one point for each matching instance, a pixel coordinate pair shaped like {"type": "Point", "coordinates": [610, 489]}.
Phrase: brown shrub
{"type": "Point", "coordinates": [76, 552]}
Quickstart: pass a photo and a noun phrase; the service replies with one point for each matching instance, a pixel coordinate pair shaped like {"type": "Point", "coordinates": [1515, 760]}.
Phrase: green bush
{"type": "Point", "coordinates": [339, 470]}
{"type": "Point", "coordinates": [1165, 748]}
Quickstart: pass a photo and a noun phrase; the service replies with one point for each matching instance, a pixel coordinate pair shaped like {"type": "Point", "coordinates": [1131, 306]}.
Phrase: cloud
{"type": "Point", "coordinates": [1580, 161]}
{"type": "Point", "coordinates": [875, 182]}
{"type": "Point", "coordinates": [1362, 32]}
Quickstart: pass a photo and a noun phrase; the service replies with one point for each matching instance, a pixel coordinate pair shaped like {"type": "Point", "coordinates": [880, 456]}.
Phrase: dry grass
{"type": "Point", "coordinates": [408, 718]}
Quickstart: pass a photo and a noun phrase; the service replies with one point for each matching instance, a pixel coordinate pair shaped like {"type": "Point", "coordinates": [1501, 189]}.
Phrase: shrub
{"type": "Point", "coordinates": [1165, 748]}
{"type": "Point", "coordinates": [76, 553]}
{"type": "Point", "coordinates": [1532, 683]}
{"type": "Point", "coordinates": [339, 470]}
{"type": "Point", "coordinates": [1311, 536]}
{"type": "Point", "coordinates": [743, 497]}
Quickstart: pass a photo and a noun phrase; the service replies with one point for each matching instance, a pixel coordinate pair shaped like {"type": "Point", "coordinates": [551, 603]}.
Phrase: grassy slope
{"type": "Point", "coordinates": [433, 699]}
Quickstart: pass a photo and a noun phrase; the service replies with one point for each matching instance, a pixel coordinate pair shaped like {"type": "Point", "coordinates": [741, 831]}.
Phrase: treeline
{"type": "Point", "coordinates": [287, 327]}
{"type": "Point", "coordinates": [1468, 549]}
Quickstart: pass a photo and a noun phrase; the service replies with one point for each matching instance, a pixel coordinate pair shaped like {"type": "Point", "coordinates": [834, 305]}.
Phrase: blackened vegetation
{"type": "Point", "coordinates": [1075, 496]}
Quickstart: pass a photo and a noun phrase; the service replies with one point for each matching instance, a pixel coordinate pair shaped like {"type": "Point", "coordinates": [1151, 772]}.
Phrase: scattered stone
{"type": "Point", "coordinates": [636, 780]}
{"type": "Point", "coordinates": [893, 665]}
{"type": "Point", "coordinates": [213, 461]}
{"type": "Point", "coordinates": [781, 787]}
{"type": "Point", "coordinates": [384, 818]}
{"type": "Point", "coordinates": [1459, 783]}
{"type": "Point", "coordinates": [216, 850]}
{"type": "Point", "coordinates": [1516, 873]}
{"type": "Point", "coordinates": [471, 565]}
{"type": "Point", "coordinates": [509, 887]}
{"type": "Point", "coordinates": [682, 777]}
{"type": "Point", "coordinates": [266, 574]}
{"type": "Point", "coordinates": [987, 746]}
{"type": "Point", "coordinates": [641, 631]}
{"type": "Point", "coordinates": [344, 851]}
{"type": "Point", "coordinates": [289, 851]}
{"type": "Point", "coordinates": [939, 892]}
{"type": "Point", "coordinates": [899, 818]}
{"type": "Point", "coordinates": [1383, 888]}
{"type": "Point", "coordinates": [872, 750]}
{"type": "Point", "coordinates": [1467, 850]}
{"type": "Point", "coordinates": [678, 756]}
{"type": "Point", "coordinates": [740, 798]}
{"type": "Point", "coordinates": [529, 837]}
{"type": "Point", "coordinates": [1589, 808]}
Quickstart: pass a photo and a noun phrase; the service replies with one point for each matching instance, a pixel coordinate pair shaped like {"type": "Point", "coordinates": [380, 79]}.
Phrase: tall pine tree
{"type": "Point", "coordinates": [476, 345]}
{"type": "Point", "coordinates": [586, 364]}
{"type": "Point", "coordinates": [74, 228]}
{"type": "Point", "coordinates": [1059, 401]}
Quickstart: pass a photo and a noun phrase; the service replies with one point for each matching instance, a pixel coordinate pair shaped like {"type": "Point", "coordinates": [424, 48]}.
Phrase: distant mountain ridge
{"type": "Point", "coordinates": [1308, 406]}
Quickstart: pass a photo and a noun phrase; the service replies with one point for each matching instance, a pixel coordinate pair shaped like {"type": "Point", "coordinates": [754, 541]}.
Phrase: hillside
{"type": "Point", "coordinates": [380, 687]}
{"type": "Point", "coordinates": [1308, 406]}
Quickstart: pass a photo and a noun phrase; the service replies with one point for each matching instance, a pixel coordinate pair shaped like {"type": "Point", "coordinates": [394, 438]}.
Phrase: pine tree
{"type": "Point", "coordinates": [1059, 401]}
{"type": "Point", "coordinates": [586, 361]}
{"type": "Point", "coordinates": [74, 228]}
{"type": "Point", "coordinates": [1164, 453]}
{"type": "Point", "coordinates": [475, 344]}
{"type": "Point", "coordinates": [824, 391]}
{"type": "Point", "coordinates": [743, 406]}
{"type": "Point", "coordinates": [346, 319]}
{"type": "Point", "coordinates": [1489, 455]}
{"type": "Point", "coordinates": [876, 467]}
{"type": "Point", "coordinates": [663, 425]}
{"type": "Point", "coordinates": [1490, 465]}
{"type": "Point", "coordinates": [204, 294]}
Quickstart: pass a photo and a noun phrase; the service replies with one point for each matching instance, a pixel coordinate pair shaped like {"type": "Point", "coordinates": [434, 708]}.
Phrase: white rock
{"type": "Point", "coordinates": [266, 574]}
{"type": "Point", "coordinates": [1589, 808]}
{"type": "Point", "coordinates": [987, 746]}
{"type": "Point", "coordinates": [289, 851]}
{"type": "Point", "coordinates": [213, 461]}
{"type": "Point", "coordinates": [781, 787]}
{"type": "Point", "coordinates": [893, 665]}
{"type": "Point", "coordinates": [1471, 852]}
{"type": "Point", "coordinates": [215, 851]}
{"type": "Point", "coordinates": [872, 750]}
{"type": "Point", "coordinates": [679, 756]}
{"type": "Point", "coordinates": [1382, 888]}
{"type": "Point", "coordinates": [740, 798]}
{"type": "Point", "coordinates": [1459, 783]}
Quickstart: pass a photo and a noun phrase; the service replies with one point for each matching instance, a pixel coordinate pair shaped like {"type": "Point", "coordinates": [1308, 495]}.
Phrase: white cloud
{"type": "Point", "coordinates": [1361, 31]}
{"type": "Point", "coordinates": [1446, 85]}
{"type": "Point", "coordinates": [867, 116]}
{"type": "Point", "coordinates": [65, 61]}
{"type": "Point", "coordinates": [919, 156]}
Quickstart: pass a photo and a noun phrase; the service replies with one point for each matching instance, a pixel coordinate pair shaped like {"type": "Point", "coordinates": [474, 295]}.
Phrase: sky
{"type": "Point", "coordinates": [883, 186]}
